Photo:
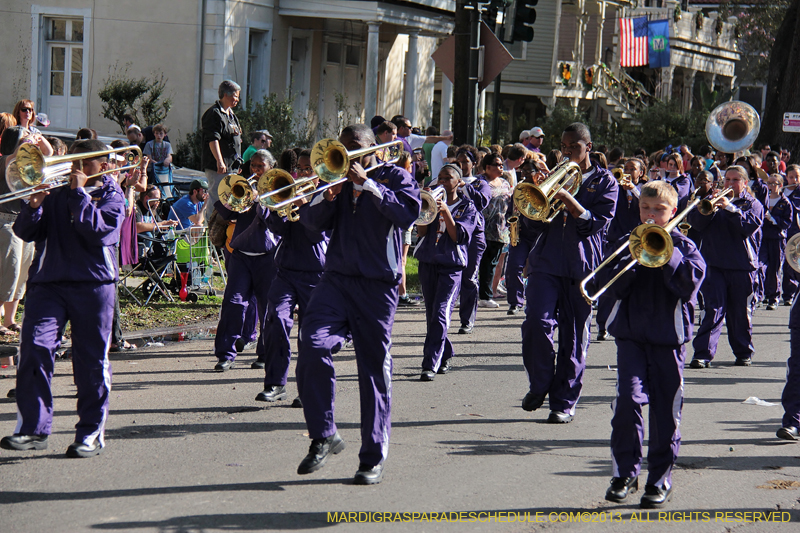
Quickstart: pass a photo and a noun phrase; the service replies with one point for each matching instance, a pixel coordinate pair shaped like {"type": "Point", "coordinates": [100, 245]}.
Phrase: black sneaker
{"type": "Point", "coordinates": [445, 367]}
{"type": "Point", "coordinates": [427, 375]}
{"type": "Point", "coordinates": [746, 361]}
{"type": "Point", "coordinates": [318, 453]}
{"type": "Point", "coordinates": [603, 335]}
{"type": "Point", "coordinates": [788, 433]}
{"type": "Point", "coordinates": [772, 306]}
{"type": "Point", "coordinates": [514, 310]}
{"type": "Point", "coordinates": [465, 329]}
{"type": "Point", "coordinates": [407, 301]}
{"type": "Point", "coordinates": [531, 402]}
{"type": "Point", "coordinates": [700, 363]}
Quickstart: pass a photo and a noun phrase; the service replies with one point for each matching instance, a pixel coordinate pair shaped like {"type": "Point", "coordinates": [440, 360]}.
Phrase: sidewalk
{"type": "Point", "coordinates": [188, 449]}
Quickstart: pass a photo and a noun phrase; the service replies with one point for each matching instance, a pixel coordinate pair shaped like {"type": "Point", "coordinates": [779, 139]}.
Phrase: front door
{"type": "Point", "coordinates": [64, 100]}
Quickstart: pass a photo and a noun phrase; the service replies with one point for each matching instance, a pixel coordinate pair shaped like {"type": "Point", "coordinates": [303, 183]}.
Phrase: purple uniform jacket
{"type": "Point", "coordinates": [794, 314]}
{"type": "Point", "coordinates": [626, 217]}
{"type": "Point", "coordinates": [794, 199]}
{"type": "Point", "coordinates": [480, 193]}
{"type": "Point", "coordinates": [300, 249]}
{"type": "Point", "coordinates": [76, 232]}
{"type": "Point", "coordinates": [251, 234]}
{"type": "Point", "coordinates": [731, 240]}
{"type": "Point", "coordinates": [367, 232]}
{"type": "Point", "coordinates": [438, 248]}
{"type": "Point", "coordinates": [684, 185]}
{"type": "Point", "coordinates": [782, 213]}
{"type": "Point", "coordinates": [572, 247]}
{"type": "Point", "coordinates": [655, 305]}
{"type": "Point", "coordinates": [760, 190]}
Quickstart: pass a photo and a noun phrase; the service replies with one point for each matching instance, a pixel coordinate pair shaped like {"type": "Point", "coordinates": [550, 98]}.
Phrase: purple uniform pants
{"type": "Point", "coordinates": [289, 288]}
{"type": "Point", "coordinates": [790, 283]}
{"type": "Point", "coordinates": [647, 374]}
{"type": "Point", "coordinates": [48, 307]}
{"type": "Point", "coordinates": [729, 297]}
{"type": "Point", "coordinates": [364, 307]}
{"type": "Point", "coordinates": [604, 306]}
{"type": "Point", "coordinates": [558, 374]}
{"type": "Point", "coordinates": [469, 280]}
{"type": "Point", "coordinates": [248, 277]}
{"type": "Point", "coordinates": [515, 264]}
{"type": "Point", "coordinates": [439, 288]}
{"type": "Point", "coordinates": [251, 327]}
{"type": "Point", "coordinates": [790, 399]}
{"type": "Point", "coordinates": [772, 258]}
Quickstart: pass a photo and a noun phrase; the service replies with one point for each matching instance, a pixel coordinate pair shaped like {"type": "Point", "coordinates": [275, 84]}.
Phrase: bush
{"type": "Point", "coordinates": [143, 98]}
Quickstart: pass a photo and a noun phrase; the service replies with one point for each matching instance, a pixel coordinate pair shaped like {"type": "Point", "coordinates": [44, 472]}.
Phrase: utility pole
{"type": "Point", "coordinates": [465, 86]}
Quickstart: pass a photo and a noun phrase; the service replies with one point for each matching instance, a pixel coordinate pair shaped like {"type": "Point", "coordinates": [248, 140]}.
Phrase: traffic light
{"type": "Point", "coordinates": [519, 21]}
{"type": "Point", "coordinates": [490, 11]}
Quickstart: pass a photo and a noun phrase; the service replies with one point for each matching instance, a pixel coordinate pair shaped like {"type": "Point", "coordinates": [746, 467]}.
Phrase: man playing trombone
{"type": "Point", "coordinates": [76, 229]}
{"type": "Point", "coordinates": [731, 235]}
{"type": "Point", "coordinates": [567, 250]}
{"type": "Point", "coordinates": [357, 294]}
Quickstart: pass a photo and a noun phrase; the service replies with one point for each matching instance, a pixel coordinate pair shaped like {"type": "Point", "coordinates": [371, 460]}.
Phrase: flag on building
{"type": "Point", "coordinates": [658, 43]}
{"type": "Point", "coordinates": [633, 42]}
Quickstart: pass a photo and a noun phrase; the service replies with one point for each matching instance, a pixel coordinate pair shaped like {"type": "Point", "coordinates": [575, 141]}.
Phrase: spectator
{"type": "Point", "coordinates": [439, 154]}
{"type": "Point", "coordinates": [6, 121]}
{"type": "Point", "coordinates": [494, 215]}
{"type": "Point", "coordinates": [59, 147]}
{"type": "Point", "coordinates": [25, 115]}
{"type": "Point", "coordinates": [535, 140]}
{"type": "Point", "coordinates": [85, 134]}
{"type": "Point", "coordinates": [259, 140]}
{"type": "Point", "coordinates": [515, 157]}
{"type": "Point", "coordinates": [614, 156]}
{"type": "Point", "coordinates": [386, 132]}
{"type": "Point", "coordinates": [134, 134]}
{"type": "Point", "coordinates": [222, 138]}
{"type": "Point", "coordinates": [160, 153]}
{"type": "Point", "coordinates": [188, 210]}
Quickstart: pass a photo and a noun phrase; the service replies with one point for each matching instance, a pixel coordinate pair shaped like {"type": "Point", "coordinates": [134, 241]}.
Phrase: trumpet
{"type": "Point", "coordinates": [429, 209]}
{"type": "Point", "coordinates": [622, 178]}
{"type": "Point", "coordinates": [707, 206]}
{"type": "Point", "coordinates": [30, 170]}
{"type": "Point", "coordinates": [537, 201]}
{"type": "Point", "coordinates": [513, 230]}
{"type": "Point", "coordinates": [650, 246]}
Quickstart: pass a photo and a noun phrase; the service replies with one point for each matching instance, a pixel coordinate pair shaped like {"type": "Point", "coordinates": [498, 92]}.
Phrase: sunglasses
{"type": "Point", "coordinates": [26, 110]}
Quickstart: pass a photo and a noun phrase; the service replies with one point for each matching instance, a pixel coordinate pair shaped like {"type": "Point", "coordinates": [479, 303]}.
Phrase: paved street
{"type": "Point", "coordinates": [189, 450]}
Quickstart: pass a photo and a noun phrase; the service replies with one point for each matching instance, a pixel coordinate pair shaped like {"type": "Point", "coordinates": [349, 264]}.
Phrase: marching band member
{"type": "Point", "coordinates": [778, 215]}
{"type": "Point", "coordinates": [527, 233]}
{"type": "Point", "coordinates": [568, 249]}
{"type": "Point", "coordinates": [76, 229]}
{"type": "Point", "coordinates": [625, 219]}
{"type": "Point", "coordinates": [675, 176]}
{"type": "Point", "coordinates": [357, 294]}
{"type": "Point", "coordinates": [477, 190]}
{"type": "Point", "coordinates": [756, 177]}
{"type": "Point", "coordinates": [299, 261]}
{"type": "Point", "coordinates": [251, 269]}
{"type": "Point", "coordinates": [442, 254]}
{"type": "Point", "coordinates": [790, 399]}
{"type": "Point", "coordinates": [792, 193]}
{"type": "Point", "coordinates": [652, 321]}
{"type": "Point", "coordinates": [730, 241]}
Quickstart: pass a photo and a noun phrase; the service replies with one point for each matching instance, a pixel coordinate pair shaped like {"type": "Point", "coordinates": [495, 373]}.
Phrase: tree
{"type": "Point", "coordinates": [783, 93]}
{"type": "Point", "coordinates": [143, 98]}
{"type": "Point", "coordinates": [757, 27]}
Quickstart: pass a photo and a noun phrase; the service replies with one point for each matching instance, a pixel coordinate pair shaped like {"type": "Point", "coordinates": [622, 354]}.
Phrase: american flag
{"type": "Point", "coordinates": [633, 42]}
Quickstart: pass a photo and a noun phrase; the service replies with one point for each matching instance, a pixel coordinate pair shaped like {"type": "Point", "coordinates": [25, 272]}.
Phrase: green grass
{"type": "Point", "coordinates": [412, 275]}
{"type": "Point", "coordinates": [163, 314]}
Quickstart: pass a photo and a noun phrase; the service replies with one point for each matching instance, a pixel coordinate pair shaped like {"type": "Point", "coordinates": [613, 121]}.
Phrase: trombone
{"type": "Point", "coordinates": [236, 192]}
{"type": "Point", "coordinates": [29, 170]}
{"type": "Point", "coordinates": [277, 187]}
{"type": "Point", "coordinates": [650, 245]}
{"type": "Point", "coordinates": [331, 161]}
{"type": "Point", "coordinates": [429, 209]}
{"type": "Point", "coordinates": [537, 201]}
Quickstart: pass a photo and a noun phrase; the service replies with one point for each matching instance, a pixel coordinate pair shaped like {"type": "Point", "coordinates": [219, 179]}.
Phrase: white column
{"type": "Point", "coordinates": [598, 54]}
{"type": "Point", "coordinates": [371, 72]}
{"type": "Point", "coordinates": [412, 62]}
{"type": "Point", "coordinates": [688, 89]}
{"type": "Point", "coordinates": [445, 120]}
{"type": "Point", "coordinates": [666, 82]}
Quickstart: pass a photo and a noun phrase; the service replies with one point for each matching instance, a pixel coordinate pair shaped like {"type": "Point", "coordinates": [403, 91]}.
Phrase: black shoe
{"type": "Point", "coordinates": [655, 497]}
{"type": "Point", "coordinates": [297, 403]}
{"type": "Point", "coordinates": [368, 475]}
{"type": "Point", "coordinates": [273, 393]}
{"type": "Point", "coordinates": [407, 301]}
{"type": "Point", "coordinates": [772, 306]}
{"type": "Point", "coordinates": [427, 375]}
{"type": "Point", "coordinates": [445, 367]}
{"type": "Point", "coordinates": [24, 442]}
{"type": "Point", "coordinates": [787, 433]}
{"type": "Point", "coordinates": [787, 303]}
{"type": "Point", "coordinates": [318, 453]}
{"type": "Point", "coordinates": [222, 366]}
{"type": "Point", "coordinates": [258, 365]}
{"type": "Point", "coordinates": [79, 449]}
{"type": "Point", "coordinates": [621, 487]}
{"type": "Point", "coordinates": [557, 417]}
{"type": "Point", "coordinates": [603, 335]}
{"type": "Point", "coordinates": [700, 363]}
{"type": "Point", "coordinates": [12, 393]}
{"type": "Point", "coordinates": [514, 310]}
{"type": "Point", "coordinates": [531, 402]}
{"type": "Point", "coordinates": [466, 329]}
{"type": "Point", "coordinates": [743, 362]}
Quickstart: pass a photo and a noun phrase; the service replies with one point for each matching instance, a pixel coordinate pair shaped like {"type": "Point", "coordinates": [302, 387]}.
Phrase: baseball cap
{"type": "Point", "coordinates": [537, 132]}
{"type": "Point", "coordinates": [524, 134]}
{"type": "Point", "coordinates": [267, 133]}
{"type": "Point", "coordinates": [198, 184]}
